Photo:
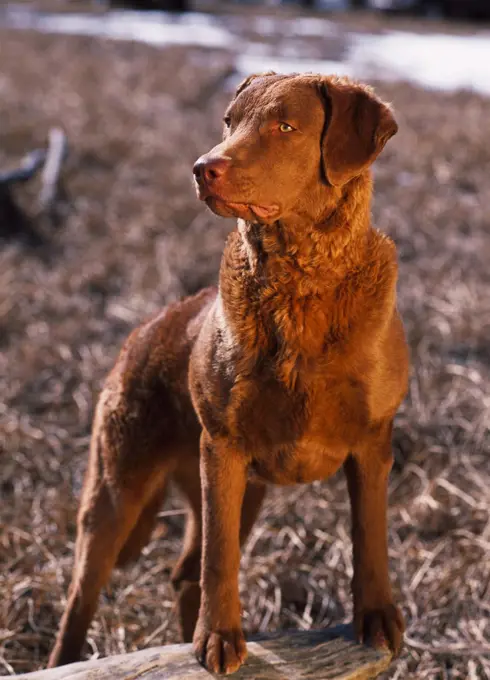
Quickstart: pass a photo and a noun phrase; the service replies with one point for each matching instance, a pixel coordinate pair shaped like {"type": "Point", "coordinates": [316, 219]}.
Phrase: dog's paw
{"type": "Point", "coordinates": [221, 651]}
{"type": "Point", "coordinates": [381, 627]}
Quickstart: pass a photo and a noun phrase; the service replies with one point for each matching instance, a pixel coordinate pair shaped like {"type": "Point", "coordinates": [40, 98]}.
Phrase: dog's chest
{"type": "Point", "coordinates": [296, 435]}
{"type": "Point", "coordinates": [290, 403]}
{"type": "Point", "coordinates": [307, 461]}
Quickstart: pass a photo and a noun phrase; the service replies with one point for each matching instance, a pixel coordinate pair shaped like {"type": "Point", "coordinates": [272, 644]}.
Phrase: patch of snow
{"type": "Point", "coordinates": [153, 28]}
{"type": "Point", "coordinates": [442, 62]}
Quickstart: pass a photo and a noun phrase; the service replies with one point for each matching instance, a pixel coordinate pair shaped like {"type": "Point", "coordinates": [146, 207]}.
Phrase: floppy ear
{"type": "Point", "coordinates": [359, 125]}
{"type": "Point", "coordinates": [245, 83]}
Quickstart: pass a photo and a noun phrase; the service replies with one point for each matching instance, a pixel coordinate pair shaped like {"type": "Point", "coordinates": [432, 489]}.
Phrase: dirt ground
{"type": "Point", "coordinates": [131, 237]}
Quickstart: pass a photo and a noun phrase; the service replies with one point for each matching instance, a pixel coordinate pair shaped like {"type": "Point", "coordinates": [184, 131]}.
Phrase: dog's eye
{"type": "Point", "coordinates": [227, 121]}
{"type": "Point", "coordinates": [285, 127]}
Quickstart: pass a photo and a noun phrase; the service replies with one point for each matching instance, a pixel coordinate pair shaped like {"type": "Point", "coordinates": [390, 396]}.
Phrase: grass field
{"type": "Point", "coordinates": [132, 237]}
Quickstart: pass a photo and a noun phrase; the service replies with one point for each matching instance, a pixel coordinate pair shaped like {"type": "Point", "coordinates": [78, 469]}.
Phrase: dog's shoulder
{"type": "Point", "coordinates": [379, 277]}
{"type": "Point", "coordinates": [382, 258]}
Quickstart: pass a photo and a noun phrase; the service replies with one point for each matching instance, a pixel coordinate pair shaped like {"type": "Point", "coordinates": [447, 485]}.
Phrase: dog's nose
{"type": "Point", "coordinates": [210, 169]}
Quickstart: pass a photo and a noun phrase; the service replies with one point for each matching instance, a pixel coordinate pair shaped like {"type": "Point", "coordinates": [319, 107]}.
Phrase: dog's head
{"type": "Point", "coordinates": [289, 141]}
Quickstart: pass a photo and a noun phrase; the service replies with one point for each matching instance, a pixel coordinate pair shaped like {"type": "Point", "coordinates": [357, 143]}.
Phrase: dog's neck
{"type": "Point", "coordinates": [283, 286]}
{"type": "Point", "coordinates": [322, 249]}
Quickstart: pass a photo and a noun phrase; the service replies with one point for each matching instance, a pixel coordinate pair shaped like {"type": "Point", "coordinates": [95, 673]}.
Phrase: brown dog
{"type": "Point", "coordinates": [295, 366]}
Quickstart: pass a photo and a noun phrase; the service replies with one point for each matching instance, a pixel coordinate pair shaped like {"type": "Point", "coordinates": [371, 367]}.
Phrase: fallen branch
{"type": "Point", "coordinates": [29, 167]}
{"type": "Point", "coordinates": [13, 221]}
{"type": "Point", "coordinates": [55, 156]}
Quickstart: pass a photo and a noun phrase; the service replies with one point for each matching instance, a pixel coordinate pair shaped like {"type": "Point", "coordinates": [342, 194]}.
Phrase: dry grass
{"type": "Point", "coordinates": [135, 237]}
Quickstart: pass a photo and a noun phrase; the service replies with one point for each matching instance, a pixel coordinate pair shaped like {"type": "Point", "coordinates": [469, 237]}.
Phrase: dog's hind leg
{"type": "Point", "coordinates": [186, 574]}
{"type": "Point", "coordinates": [117, 495]}
{"type": "Point", "coordinates": [142, 530]}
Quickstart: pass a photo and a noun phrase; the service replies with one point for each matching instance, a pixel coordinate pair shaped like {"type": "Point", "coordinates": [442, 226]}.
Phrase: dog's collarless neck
{"type": "Point", "coordinates": [318, 251]}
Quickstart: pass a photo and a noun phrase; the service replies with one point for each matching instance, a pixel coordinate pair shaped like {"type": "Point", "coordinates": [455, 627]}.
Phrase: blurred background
{"type": "Point", "coordinates": [103, 111]}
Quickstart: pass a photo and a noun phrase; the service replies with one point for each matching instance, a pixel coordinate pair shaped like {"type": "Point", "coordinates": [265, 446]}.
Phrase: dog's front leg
{"type": "Point", "coordinates": [377, 619]}
{"type": "Point", "coordinates": [218, 639]}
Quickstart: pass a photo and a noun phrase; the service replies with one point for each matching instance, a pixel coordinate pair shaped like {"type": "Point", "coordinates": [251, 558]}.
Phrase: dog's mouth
{"type": "Point", "coordinates": [245, 210]}
{"type": "Point", "coordinates": [263, 212]}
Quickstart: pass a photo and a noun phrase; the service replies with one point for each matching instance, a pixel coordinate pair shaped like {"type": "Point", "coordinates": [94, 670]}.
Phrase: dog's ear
{"type": "Point", "coordinates": [245, 83]}
{"type": "Point", "coordinates": [357, 127]}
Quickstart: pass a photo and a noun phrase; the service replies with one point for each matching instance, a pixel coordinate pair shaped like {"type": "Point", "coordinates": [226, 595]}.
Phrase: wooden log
{"type": "Point", "coordinates": [329, 654]}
